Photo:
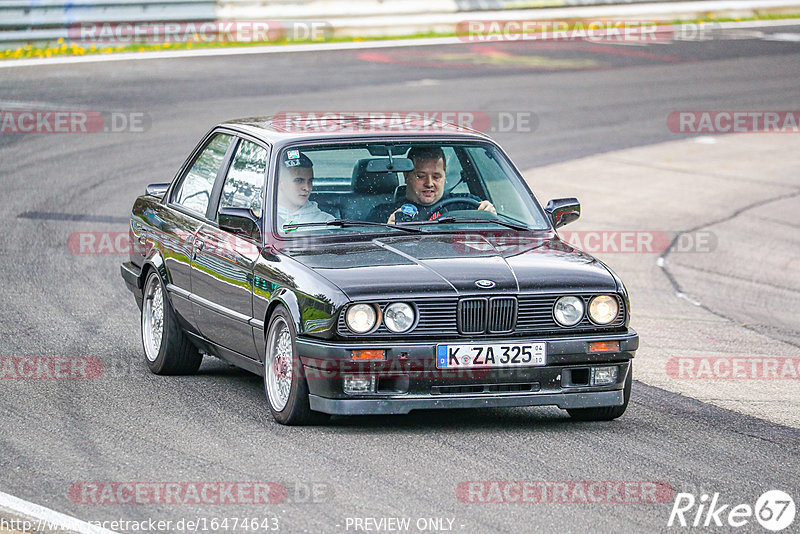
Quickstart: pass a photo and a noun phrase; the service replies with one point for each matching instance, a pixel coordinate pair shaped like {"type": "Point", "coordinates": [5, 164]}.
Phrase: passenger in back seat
{"type": "Point", "coordinates": [295, 181]}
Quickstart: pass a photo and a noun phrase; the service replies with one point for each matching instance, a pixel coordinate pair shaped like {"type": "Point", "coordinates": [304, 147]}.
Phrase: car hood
{"type": "Point", "coordinates": [445, 265]}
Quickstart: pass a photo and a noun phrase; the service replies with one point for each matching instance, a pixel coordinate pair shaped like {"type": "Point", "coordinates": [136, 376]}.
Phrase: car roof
{"type": "Point", "coordinates": [309, 126]}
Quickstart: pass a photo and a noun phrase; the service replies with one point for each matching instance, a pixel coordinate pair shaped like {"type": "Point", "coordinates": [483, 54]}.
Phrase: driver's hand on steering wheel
{"type": "Point", "coordinates": [487, 206]}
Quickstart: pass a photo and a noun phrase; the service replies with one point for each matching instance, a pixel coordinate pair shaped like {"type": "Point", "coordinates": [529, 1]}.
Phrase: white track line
{"type": "Point", "coordinates": [47, 519]}
{"type": "Point", "coordinates": [280, 49]}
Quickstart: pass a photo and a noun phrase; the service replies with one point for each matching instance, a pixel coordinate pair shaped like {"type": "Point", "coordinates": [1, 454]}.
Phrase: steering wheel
{"type": "Point", "coordinates": [454, 200]}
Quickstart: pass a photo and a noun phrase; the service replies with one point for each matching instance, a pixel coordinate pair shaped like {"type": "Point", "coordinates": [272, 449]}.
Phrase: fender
{"type": "Point", "coordinates": [155, 260]}
{"type": "Point", "coordinates": [286, 297]}
{"type": "Point", "coordinates": [622, 290]}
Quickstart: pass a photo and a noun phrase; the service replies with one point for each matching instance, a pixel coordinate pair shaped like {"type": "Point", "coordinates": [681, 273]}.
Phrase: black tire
{"type": "Point", "coordinates": [176, 354]}
{"type": "Point", "coordinates": [296, 410]}
{"type": "Point", "coordinates": [609, 412]}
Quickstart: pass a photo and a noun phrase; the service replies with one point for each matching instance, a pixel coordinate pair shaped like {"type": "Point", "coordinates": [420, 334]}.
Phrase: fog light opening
{"type": "Point", "coordinates": [359, 384]}
{"type": "Point", "coordinates": [604, 376]}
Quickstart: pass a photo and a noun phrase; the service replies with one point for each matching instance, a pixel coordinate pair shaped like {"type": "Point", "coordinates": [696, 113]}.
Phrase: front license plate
{"type": "Point", "coordinates": [463, 356]}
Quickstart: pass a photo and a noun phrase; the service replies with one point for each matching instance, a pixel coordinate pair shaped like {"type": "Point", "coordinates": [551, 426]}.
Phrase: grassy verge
{"type": "Point", "coordinates": [67, 48]}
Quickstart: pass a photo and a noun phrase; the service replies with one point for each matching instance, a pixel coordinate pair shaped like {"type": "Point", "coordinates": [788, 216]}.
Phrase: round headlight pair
{"type": "Point", "coordinates": [568, 311]}
{"type": "Point", "coordinates": [362, 318]}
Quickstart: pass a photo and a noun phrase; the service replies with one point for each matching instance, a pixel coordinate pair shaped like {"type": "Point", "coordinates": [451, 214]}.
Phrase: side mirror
{"type": "Point", "coordinates": [156, 190]}
{"type": "Point", "coordinates": [240, 221]}
{"type": "Point", "coordinates": [563, 211]}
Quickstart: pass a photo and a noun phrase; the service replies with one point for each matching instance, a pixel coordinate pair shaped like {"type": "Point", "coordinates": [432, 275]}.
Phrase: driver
{"type": "Point", "coordinates": [424, 188]}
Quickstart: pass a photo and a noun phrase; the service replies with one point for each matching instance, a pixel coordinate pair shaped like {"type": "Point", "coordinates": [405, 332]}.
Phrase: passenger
{"type": "Point", "coordinates": [424, 188]}
{"type": "Point", "coordinates": [295, 181]}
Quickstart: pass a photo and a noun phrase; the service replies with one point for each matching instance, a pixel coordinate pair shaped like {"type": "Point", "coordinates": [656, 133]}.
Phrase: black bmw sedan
{"type": "Point", "coordinates": [375, 267]}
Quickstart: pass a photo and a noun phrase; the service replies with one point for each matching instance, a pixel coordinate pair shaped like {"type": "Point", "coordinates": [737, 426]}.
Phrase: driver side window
{"type": "Point", "coordinates": [194, 192]}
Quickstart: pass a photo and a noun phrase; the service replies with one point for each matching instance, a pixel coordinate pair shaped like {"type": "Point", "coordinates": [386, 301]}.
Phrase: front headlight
{"type": "Point", "coordinates": [603, 309]}
{"type": "Point", "coordinates": [361, 318]}
{"type": "Point", "coordinates": [568, 311]}
{"type": "Point", "coordinates": [398, 317]}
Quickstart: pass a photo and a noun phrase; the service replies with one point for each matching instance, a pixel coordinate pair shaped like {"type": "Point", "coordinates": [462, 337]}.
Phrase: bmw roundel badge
{"type": "Point", "coordinates": [484, 284]}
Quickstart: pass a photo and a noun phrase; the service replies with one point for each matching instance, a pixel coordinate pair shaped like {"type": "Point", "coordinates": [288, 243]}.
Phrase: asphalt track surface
{"type": "Point", "coordinates": [128, 425]}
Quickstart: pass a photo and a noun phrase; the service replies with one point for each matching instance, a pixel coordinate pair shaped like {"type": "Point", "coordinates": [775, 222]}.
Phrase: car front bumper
{"type": "Point", "coordinates": [409, 380]}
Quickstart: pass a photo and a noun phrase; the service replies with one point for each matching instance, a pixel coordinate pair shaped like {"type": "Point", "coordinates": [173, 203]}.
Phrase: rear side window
{"type": "Point", "coordinates": [194, 192]}
{"type": "Point", "coordinates": [245, 181]}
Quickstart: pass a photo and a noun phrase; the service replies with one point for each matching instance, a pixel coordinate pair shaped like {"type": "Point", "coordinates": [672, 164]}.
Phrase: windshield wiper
{"type": "Point", "coordinates": [451, 220]}
{"type": "Point", "coordinates": [350, 222]}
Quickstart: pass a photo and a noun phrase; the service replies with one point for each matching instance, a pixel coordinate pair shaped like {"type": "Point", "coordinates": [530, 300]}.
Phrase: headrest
{"type": "Point", "coordinates": [373, 183]}
{"type": "Point", "coordinates": [400, 192]}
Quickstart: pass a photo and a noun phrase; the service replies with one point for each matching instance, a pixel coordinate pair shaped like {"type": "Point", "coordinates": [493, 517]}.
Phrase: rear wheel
{"type": "Point", "coordinates": [167, 350]}
{"type": "Point", "coordinates": [284, 383]}
{"type": "Point", "coordinates": [609, 412]}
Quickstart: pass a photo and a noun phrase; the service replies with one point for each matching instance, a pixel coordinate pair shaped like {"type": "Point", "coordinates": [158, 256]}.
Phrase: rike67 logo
{"type": "Point", "coordinates": [774, 510]}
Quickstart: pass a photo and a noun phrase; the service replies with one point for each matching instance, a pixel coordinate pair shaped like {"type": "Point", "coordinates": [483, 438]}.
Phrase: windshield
{"type": "Point", "coordinates": [329, 189]}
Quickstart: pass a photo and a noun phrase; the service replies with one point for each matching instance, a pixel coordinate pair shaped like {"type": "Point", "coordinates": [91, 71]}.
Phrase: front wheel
{"type": "Point", "coordinates": [606, 413]}
{"type": "Point", "coordinates": [167, 350]}
{"type": "Point", "coordinates": [284, 383]}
